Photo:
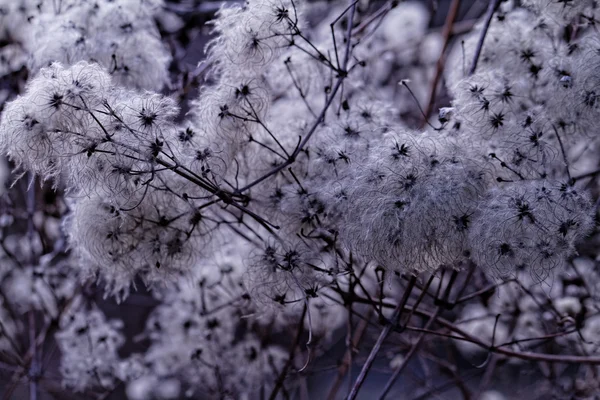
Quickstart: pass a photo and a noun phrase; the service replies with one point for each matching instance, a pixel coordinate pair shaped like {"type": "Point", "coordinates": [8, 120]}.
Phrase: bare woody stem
{"type": "Point", "coordinates": [462, 335]}
{"type": "Point", "coordinates": [486, 25]}
{"type": "Point", "coordinates": [345, 366]}
{"type": "Point", "coordinates": [411, 352]}
{"type": "Point", "coordinates": [290, 360]}
{"type": "Point", "coordinates": [439, 67]}
{"type": "Point", "coordinates": [382, 336]}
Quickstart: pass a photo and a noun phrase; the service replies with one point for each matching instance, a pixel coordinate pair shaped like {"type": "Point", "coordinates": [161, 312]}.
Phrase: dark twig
{"type": "Point", "coordinates": [411, 352]}
{"type": "Point", "coordinates": [439, 67]}
{"type": "Point", "coordinates": [488, 19]}
{"type": "Point", "coordinates": [384, 334]}
{"type": "Point", "coordinates": [345, 366]}
{"type": "Point", "coordinates": [290, 360]}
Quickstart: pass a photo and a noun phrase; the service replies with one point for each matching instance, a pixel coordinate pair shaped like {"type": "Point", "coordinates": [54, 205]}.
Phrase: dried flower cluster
{"type": "Point", "coordinates": [298, 199]}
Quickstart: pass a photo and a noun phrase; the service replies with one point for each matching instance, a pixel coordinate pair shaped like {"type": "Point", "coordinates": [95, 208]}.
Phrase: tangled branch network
{"type": "Point", "coordinates": [294, 232]}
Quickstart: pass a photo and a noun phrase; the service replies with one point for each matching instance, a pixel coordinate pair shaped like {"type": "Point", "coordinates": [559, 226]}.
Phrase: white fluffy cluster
{"type": "Point", "coordinates": [153, 241]}
{"type": "Point", "coordinates": [531, 225]}
{"type": "Point", "coordinates": [412, 206]}
{"type": "Point", "coordinates": [416, 201]}
{"type": "Point", "coordinates": [205, 337]}
{"type": "Point", "coordinates": [50, 122]}
{"type": "Point", "coordinates": [230, 113]}
{"type": "Point", "coordinates": [120, 35]}
{"type": "Point", "coordinates": [89, 345]}
{"type": "Point", "coordinates": [410, 201]}
{"type": "Point", "coordinates": [564, 11]}
{"type": "Point", "coordinates": [493, 187]}
{"type": "Point", "coordinates": [531, 85]}
{"type": "Point", "coordinates": [76, 126]}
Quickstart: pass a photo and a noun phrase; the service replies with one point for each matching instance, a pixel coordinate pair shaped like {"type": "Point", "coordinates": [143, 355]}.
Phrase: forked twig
{"type": "Point", "coordinates": [382, 336]}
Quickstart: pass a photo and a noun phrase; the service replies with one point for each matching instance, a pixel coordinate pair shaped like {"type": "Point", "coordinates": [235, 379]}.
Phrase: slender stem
{"type": "Point", "coordinates": [419, 300]}
{"type": "Point", "coordinates": [411, 352]}
{"type": "Point", "coordinates": [564, 153]}
{"type": "Point", "coordinates": [33, 365]}
{"type": "Point", "coordinates": [483, 291]}
{"type": "Point", "coordinates": [345, 366]}
{"type": "Point", "coordinates": [444, 386]}
{"type": "Point", "coordinates": [462, 335]}
{"type": "Point", "coordinates": [384, 334]}
{"type": "Point", "coordinates": [415, 346]}
{"type": "Point", "coordinates": [523, 355]}
{"type": "Point", "coordinates": [487, 376]}
{"type": "Point", "coordinates": [290, 360]}
{"type": "Point", "coordinates": [488, 19]}
{"type": "Point", "coordinates": [586, 175]}
{"type": "Point", "coordinates": [439, 67]}
{"type": "Point", "coordinates": [379, 14]}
